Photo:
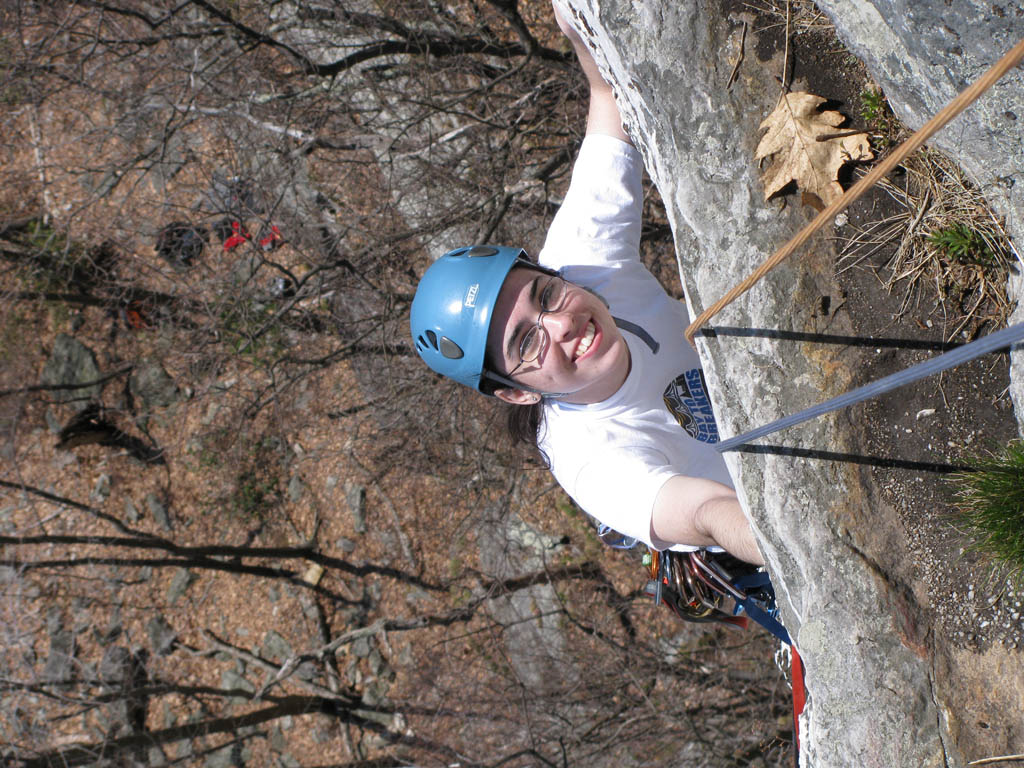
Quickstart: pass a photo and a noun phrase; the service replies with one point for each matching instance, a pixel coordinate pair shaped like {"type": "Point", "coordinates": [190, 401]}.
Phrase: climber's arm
{"type": "Point", "coordinates": [700, 512]}
{"type": "Point", "coordinates": [603, 116]}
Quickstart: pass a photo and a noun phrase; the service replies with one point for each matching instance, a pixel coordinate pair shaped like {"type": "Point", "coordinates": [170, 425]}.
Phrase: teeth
{"type": "Point", "coordinates": [586, 341]}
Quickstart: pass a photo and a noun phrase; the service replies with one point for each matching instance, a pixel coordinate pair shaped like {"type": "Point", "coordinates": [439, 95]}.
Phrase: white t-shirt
{"type": "Point", "coordinates": [614, 456]}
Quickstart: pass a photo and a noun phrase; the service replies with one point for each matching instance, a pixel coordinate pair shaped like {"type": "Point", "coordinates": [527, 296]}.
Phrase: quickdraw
{"type": "Point", "coordinates": [705, 586]}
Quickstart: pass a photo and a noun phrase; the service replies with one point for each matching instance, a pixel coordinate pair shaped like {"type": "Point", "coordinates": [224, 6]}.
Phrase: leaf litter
{"type": "Point", "coordinates": [807, 148]}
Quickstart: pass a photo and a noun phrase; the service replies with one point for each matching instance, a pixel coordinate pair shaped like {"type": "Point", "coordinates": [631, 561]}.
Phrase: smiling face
{"type": "Point", "coordinates": [586, 357]}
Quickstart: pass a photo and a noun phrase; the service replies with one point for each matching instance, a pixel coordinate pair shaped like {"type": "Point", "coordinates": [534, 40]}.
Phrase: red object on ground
{"type": "Point", "coordinates": [236, 239]}
{"type": "Point", "coordinates": [270, 242]}
{"type": "Point", "coordinates": [799, 695]}
{"type": "Point", "coordinates": [134, 317]}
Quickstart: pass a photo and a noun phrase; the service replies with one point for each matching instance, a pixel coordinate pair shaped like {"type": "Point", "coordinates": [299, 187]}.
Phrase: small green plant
{"type": "Point", "coordinates": [255, 496]}
{"type": "Point", "coordinates": [55, 263]}
{"type": "Point", "coordinates": [876, 114]}
{"type": "Point", "coordinates": [872, 105]}
{"type": "Point", "coordinates": [454, 568]}
{"type": "Point", "coordinates": [990, 504]}
{"type": "Point", "coordinates": [244, 323]}
{"type": "Point", "coordinates": [257, 488]}
{"type": "Point", "coordinates": [962, 244]}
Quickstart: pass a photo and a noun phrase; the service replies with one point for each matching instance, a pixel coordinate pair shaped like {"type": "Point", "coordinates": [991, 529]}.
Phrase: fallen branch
{"type": "Point", "coordinates": [56, 387]}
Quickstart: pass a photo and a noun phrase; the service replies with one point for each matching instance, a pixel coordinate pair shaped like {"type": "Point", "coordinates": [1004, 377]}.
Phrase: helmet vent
{"type": "Point", "coordinates": [422, 344]}
{"type": "Point", "coordinates": [478, 251]}
{"type": "Point", "coordinates": [450, 349]}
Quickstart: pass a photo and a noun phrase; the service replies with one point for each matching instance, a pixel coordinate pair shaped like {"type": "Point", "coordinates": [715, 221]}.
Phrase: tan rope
{"type": "Point", "coordinates": [951, 110]}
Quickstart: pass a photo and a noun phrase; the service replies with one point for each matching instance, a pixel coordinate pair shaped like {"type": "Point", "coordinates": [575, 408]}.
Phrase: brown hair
{"type": "Point", "coordinates": [524, 421]}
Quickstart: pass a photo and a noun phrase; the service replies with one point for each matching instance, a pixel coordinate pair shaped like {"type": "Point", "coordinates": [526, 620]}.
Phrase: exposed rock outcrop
{"type": "Point", "coordinates": [833, 545]}
{"type": "Point", "coordinates": [70, 366]}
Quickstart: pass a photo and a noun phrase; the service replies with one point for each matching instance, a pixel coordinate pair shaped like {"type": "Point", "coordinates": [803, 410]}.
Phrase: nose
{"type": "Point", "coordinates": [558, 324]}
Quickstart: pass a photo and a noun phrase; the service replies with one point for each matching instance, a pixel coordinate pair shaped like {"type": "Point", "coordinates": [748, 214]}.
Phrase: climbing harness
{"type": "Point", "coordinates": [703, 586]}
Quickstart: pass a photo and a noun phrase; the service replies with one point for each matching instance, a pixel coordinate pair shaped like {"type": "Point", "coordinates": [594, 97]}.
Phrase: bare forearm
{"type": "Point", "coordinates": [700, 512]}
{"type": "Point", "coordinates": [722, 520]}
{"type": "Point", "coordinates": [603, 115]}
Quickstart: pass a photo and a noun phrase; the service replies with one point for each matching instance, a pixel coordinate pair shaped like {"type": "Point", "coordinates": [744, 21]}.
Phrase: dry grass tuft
{"type": "Point", "coordinates": [944, 236]}
{"type": "Point", "coordinates": [799, 16]}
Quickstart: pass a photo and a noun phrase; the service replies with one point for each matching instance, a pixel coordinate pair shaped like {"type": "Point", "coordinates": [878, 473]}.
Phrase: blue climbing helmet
{"type": "Point", "coordinates": [451, 312]}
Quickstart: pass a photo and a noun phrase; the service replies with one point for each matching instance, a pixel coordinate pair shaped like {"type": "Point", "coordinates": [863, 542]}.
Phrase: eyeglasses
{"type": "Point", "coordinates": [552, 297]}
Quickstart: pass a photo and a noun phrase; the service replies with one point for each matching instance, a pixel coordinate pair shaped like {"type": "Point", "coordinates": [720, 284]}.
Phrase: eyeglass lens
{"type": "Point", "coordinates": [551, 298]}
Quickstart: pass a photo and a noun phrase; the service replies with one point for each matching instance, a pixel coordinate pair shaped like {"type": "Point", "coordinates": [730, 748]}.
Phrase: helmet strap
{"type": "Point", "coordinates": [497, 377]}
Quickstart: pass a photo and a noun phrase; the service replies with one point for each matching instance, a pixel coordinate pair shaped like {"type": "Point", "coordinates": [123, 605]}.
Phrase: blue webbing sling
{"type": "Point", "coordinates": [976, 348]}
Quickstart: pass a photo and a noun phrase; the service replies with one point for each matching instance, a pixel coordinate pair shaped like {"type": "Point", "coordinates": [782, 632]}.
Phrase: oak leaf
{"type": "Point", "coordinates": [794, 129]}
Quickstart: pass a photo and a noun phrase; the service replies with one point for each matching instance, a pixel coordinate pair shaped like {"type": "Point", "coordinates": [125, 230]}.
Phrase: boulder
{"type": "Point", "coordinates": [152, 386]}
{"type": "Point", "coordinates": [72, 363]}
{"type": "Point", "coordinates": [535, 645]}
{"type": "Point", "coordinates": [161, 635]}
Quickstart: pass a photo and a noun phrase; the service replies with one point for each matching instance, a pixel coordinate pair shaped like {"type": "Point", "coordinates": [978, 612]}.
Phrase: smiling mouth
{"type": "Point", "coordinates": [588, 338]}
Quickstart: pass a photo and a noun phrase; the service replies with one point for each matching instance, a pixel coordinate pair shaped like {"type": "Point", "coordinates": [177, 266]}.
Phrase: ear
{"type": "Point", "coordinates": [517, 396]}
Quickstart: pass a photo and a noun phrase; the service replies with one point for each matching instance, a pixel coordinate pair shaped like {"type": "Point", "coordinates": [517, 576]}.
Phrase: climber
{"type": "Point", "coordinates": [588, 349]}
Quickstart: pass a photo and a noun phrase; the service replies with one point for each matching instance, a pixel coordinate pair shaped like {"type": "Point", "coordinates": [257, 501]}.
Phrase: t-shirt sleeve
{"type": "Point", "coordinates": [619, 487]}
{"type": "Point", "coordinates": [599, 220]}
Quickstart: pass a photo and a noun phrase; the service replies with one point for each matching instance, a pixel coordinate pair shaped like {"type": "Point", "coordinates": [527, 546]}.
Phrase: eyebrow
{"type": "Point", "coordinates": [522, 324]}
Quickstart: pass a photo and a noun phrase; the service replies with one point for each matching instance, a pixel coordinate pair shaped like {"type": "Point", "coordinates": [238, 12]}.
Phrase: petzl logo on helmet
{"type": "Point", "coordinates": [471, 295]}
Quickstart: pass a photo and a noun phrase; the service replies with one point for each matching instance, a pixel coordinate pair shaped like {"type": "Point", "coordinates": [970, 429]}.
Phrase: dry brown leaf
{"type": "Point", "coordinates": [793, 131]}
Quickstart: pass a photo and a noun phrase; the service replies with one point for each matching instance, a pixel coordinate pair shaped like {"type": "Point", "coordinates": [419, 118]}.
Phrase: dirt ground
{"type": "Point", "coordinates": [970, 615]}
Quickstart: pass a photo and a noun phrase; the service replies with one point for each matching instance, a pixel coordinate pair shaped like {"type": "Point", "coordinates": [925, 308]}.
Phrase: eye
{"type": "Point", "coordinates": [551, 296]}
{"type": "Point", "coordinates": [531, 346]}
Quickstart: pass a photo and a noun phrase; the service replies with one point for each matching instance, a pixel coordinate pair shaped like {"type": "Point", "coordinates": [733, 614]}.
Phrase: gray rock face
{"type": "Point", "coordinates": [152, 385]}
{"type": "Point", "coordinates": [161, 635]}
{"type": "Point", "coordinates": [532, 633]}
{"type": "Point", "coordinates": [180, 583]}
{"type": "Point", "coordinates": [355, 495]}
{"type": "Point", "coordinates": [159, 511]}
{"type": "Point", "coordinates": [60, 661]}
{"type": "Point", "coordinates": [71, 362]}
{"type": "Point", "coordinates": [834, 547]}
{"type": "Point", "coordinates": [276, 647]}
{"type": "Point", "coordinates": [115, 666]}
